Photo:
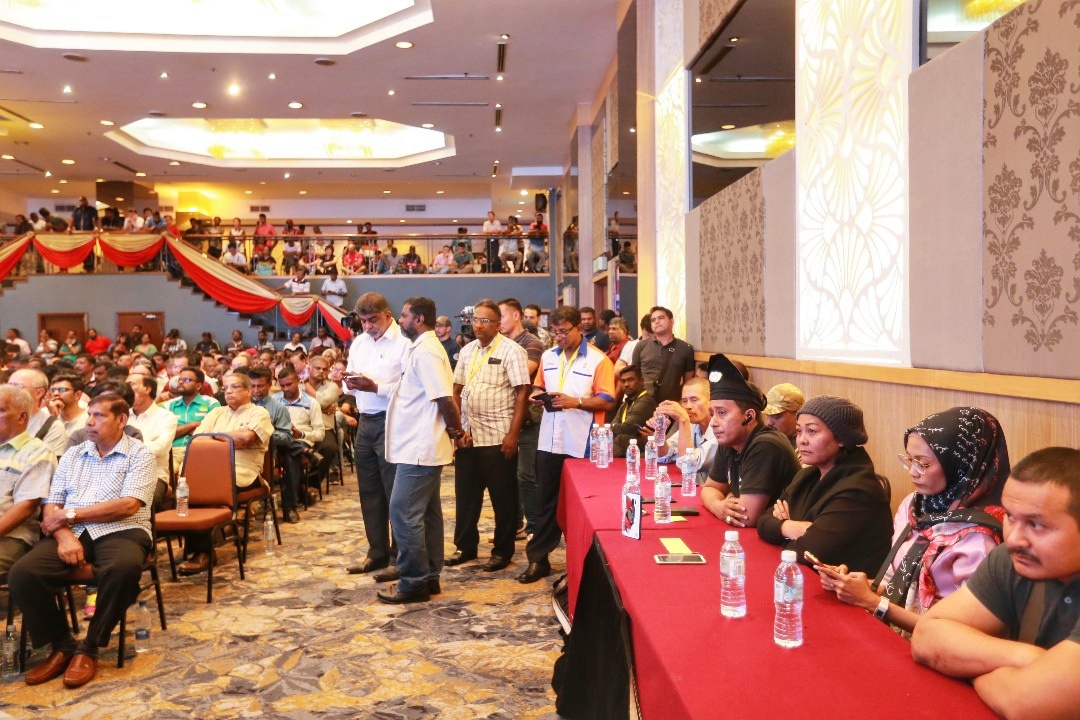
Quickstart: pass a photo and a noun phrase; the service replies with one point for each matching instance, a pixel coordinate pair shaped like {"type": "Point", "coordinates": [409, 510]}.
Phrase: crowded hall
{"type": "Point", "coordinates": [489, 359]}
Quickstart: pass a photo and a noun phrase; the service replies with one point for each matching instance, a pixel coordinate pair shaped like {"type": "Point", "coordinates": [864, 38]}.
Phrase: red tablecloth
{"type": "Point", "coordinates": [691, 662]}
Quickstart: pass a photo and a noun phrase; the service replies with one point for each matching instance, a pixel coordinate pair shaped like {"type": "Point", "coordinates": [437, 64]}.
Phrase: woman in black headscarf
{"type": "Point", "coordinates": [958, 462]}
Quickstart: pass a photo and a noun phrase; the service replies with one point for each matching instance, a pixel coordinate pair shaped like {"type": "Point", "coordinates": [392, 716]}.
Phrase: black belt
{"type": "Point", "coordinates": [373, 416]}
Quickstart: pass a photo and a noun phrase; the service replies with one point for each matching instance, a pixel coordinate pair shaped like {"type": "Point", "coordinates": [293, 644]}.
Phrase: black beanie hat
{"type": "Point", "coordinates": [843, 417]}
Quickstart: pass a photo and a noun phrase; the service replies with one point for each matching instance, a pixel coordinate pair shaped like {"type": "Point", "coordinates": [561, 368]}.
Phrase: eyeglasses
{"type": "Point", "coordinates": [483, 321]}
{"type": "Point", "coordinates": [912, 465]}
{"type": "Point", "coordinates": [561, 333]}
{"type": "Point", "coordinates": [59, 390]}
{"type": "Point", "coordinates": [236, 386]}
{"type": "Point", "coordinates": [186, 380]}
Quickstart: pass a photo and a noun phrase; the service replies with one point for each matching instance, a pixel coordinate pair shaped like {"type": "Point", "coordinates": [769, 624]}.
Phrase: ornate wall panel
{"type": "Point", "coordinates": [713, 15]}
{"type": "Point", "coordinates": [853, 59]}
{"type": "Point", "coordinates": [1031, 173]}
{"type": "Point", "coordinates": [598, 191]}
{"type": "Point", "coordinates": [732, 259]}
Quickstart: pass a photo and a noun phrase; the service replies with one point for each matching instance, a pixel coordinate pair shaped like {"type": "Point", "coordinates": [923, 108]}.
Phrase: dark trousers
{"type": "Point", "coordinates": [526, 474]}
{"type": "Point", "coordinates": [117, 559]}
{"type": "Point", "coordinates": [289, 454]}
{"type": "Point", "coordinates": [548, 480]}
{"type": "Point", "coordinates": [475, 469]}
{"type": "Point", "coordinates": [375, 476]}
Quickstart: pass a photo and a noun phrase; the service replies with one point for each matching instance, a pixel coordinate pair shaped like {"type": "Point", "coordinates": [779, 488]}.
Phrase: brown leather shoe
{"type": "Point", "coordinates": [80, 671]}
{"type": "Point", "coordinates": [199, 563]}
{"type": "Point", "coordinates": [54, 666]}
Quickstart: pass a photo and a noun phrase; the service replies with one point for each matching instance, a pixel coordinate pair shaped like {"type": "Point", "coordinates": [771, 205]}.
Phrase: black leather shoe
{"type": "Point", "coordinates": [534, 572]}
{"type": "Point", "coordinates": [367, 565]}
{"type": "Point", "coordinates": [433, 586]}
{"type": "Point", "coordinates": [394, 597]}
{"type": "Point", "coordinates": [292, 517]}
{"type": "Point", "coordinates": [496, 562]}
{"type": "Point", "coordinates": [459, 557]}
{"type": "Point", "coordinates": [390, 574]}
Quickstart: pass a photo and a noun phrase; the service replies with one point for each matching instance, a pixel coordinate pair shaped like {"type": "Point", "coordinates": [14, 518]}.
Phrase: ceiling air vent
{"type": "Point", "coordinates": [259, 208]}
{"type": "Point", "coordinates": [64, 208]}
{"type": "Point", "coordinates": [416, 208]}
{"type": "Point", "coordinates": [166, 208]}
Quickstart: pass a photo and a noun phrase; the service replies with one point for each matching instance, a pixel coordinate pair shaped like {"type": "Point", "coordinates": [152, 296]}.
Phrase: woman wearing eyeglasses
{"type": "Point", "coordinates": [958, 462]}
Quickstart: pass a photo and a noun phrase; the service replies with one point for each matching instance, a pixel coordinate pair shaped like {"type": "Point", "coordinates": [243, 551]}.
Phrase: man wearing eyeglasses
{"type": "Point", "coordinates": [157, 425]}
{"type": "Point", "coordinates": [580, 382]}
{"type": "Point", "coordinates": [190, 407]}
{"type": "Point", "coordinates": [65, 391]}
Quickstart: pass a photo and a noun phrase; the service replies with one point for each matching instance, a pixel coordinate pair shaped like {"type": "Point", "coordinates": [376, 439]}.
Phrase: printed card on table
{"type": "Point", "coordinates": [631, 521]}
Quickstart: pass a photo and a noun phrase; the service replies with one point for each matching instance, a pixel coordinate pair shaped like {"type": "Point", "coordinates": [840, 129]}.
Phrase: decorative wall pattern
{"type": "Point", "coordinates": [672, 163]}
{"type": "Point", "coordinates": [611, 104]}
{"type": "Point", "coordinates": [732, 268]}
{"type": "Point", "coordinates": [713, 14]}
{"type": "Point", "coordinates": [851, 174]}
{"type": "Point", "coordinates": [1031, 171]}
{"type": "Point", "coordinates": [598, 190]}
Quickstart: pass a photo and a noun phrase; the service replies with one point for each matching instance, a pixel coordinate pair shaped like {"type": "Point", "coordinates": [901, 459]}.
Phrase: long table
{"type": "Point", "coordinates": [691, 662]}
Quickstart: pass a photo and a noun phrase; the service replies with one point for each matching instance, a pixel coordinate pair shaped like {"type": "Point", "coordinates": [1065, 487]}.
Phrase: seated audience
{"type": "Point", "coordinates": [443, 261]}
{"type": "Point", "coordinates": [27, 465]}
{"type": "Point", "coordinates": [627, 259]}
{"type": "Point", "coordinates": [688, 431]}
{"type": "Point", "coordinates": [958, 462]}
{"type": "Point", "coordinates": [753, 462]}
{"type": "Point", "coordinates": [784, 402]}
{"type": "Point", "coordinates": [463, 260]}
{"type": "Point", "coordinates": [836, 508]}
{"type": "Point", "coordinates": [1014, 629]}
{"type": "Point", "coordinates": [636, 409]}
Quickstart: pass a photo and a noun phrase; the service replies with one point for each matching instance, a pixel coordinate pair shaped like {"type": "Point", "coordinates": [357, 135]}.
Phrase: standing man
{"type": "Point", "coordinates": [491, 386]}
{"type": "Point", "coordinates": [85, 219]}
{"type": "Point", "coordinates": [334, 288]}
{"type": "Point", "coordinates": [753, 463]}
{"type": "Point", "coordinates": [513, 328]}
{"type": "Point", "coordinates": [422, 421]}
{"type": "Point", "coordinates": [580, 381]}
{"type": "Point", "coordinates": [665, 361]}
{"type": "Point", "coordinates": [530, 315]}
{"type": "Point", "coordinates": [376, 359]}
{"type": "Point", "coordinates": [591, 333]}
{"type": "Point", "coordinates": [1014, 628]}
{"type": "Point", "coordinates": [98, 513]}
{"type": "Point", "coordinates": [444, 330]}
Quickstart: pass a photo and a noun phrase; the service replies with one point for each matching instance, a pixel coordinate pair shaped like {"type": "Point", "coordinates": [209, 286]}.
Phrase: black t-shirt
{"type": "Point", "coordinates": [764, 467]}
{"type": "Point", "coordinates": [1005, 592]}
{"type": "Point", "coordinates": [649, 355]}
{"type": "Point", "coordinates": [452, 350]}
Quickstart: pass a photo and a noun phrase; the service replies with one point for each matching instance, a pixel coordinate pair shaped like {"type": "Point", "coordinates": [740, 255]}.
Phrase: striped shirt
{"type": "Point", "coordinates": [26, 470]}
{"type": "Point", "coordinates": [488, 378]}
{"type": "Point", "coordinates": [84, 478]}
{"type": "Point", "coordinates": [306, 416]}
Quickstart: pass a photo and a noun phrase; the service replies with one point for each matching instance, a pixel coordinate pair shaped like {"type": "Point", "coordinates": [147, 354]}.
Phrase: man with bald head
{"type": "Point", "coordinates": [26, 469]}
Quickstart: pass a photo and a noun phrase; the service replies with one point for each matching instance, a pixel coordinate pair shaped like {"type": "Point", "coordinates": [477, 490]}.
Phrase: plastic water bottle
{"type": "Point", "coordinates": [10, 668]}
{"type": "Point", "coordinates": [662, 492]}
{"type": "Point", "coordinates": [142, 628]}
{"type": "Point", "coordinates": [633, 460]}
{"type": "Point", "coordinates": [603, 439]}
{"type": "Point", "coordinates": [183, 492]}
{"type": "Point", "coordinates": [788, 598]}
{"type": "Point", "coordinates": [661, 422]}
{"type": "Point", "coordinates": [610, 445]}
{"type": "Point", "coordinates": [652, 451]}
{"type": "Point", "coordinates": [594, 443]}
{"type": "Point", "coordinates": [732, 577]}
{"type": "Point", "coordinates": [269, 536]}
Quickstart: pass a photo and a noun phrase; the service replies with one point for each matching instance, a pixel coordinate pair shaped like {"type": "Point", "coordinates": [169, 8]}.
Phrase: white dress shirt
{"type": "Point", "coordinates": [158, 428]}
{"type": "Point", "coordinates": [415, 429]}
{"type": "Point", "coordinates": [381, 360]}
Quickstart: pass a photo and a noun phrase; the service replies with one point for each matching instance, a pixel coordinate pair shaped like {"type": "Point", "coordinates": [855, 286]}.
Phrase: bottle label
{"type": "Point", "coordinates": [142, 634]}
{"type": "Point", "coordinates": [783, 593]}
{"type": "Point", "coordinates": [732, 566]}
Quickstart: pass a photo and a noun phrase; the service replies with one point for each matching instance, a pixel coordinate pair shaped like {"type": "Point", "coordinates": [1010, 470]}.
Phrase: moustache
{"type": "Point", "coordinates": [1027, 555]}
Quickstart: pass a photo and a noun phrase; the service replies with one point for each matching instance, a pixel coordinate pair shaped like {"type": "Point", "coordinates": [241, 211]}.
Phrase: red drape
{"type": "Point", "coordinates": [218, 283]}
{"type": "Point", "coordinates": [65, 258]}
{"type": "Point", "coordinates": [11, 254]}
{"type": "Point", "coordinates": [125, 258]}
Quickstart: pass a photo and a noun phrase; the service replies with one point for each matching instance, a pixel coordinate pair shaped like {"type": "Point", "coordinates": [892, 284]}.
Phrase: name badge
{"type": "Point", "coordinates": [494, 361]}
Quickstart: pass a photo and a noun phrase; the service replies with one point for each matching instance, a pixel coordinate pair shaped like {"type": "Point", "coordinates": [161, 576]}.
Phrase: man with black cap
{"type": "Point", "coordinates": [753, 463]}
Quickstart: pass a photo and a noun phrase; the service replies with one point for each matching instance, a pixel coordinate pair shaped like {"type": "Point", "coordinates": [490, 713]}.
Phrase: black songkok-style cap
{"type": "Point", "coordinates": [727, 383]}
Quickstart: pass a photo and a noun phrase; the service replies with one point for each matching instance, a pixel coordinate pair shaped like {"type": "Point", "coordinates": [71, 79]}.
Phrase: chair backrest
{"type": "Point", "coordinates": [210, 469]}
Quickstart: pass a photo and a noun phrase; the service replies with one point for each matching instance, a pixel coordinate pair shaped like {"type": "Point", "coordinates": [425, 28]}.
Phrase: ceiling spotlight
{"type": "Point", "coordinates": [272, 76]}
{"type": "Point", "coordinates": [439, 192]}
{"type": "Point", "coordinates": [234, 89]}
{"type": "Point", "coordinates": [524, 193]}
{"type": "Point", "coordinates": [428, 125]}
{"type": "Point", "coordinates": [697, 79]}
{"type": "Point", "coordinates": [107, 123]}
{"type": "Point", "coordinates": [325, 62]}
{"type": "Point", "coordinates": [498, 106]}
{"type": "Point", "coordinates": [7, 157]}
{"type": "Point", "coordinates": [729, 126]}
{"type": "Point", "coordinates": [119, 199]}
{"type": "Point", "coordinates": [174, 163]}
{"type": "Point", "coordinates": [198, 105]}
{"type": "Point", "coordinates": [36, 126]}
{"type": "Point", "coordinates": [54, 190]}
{"type": "Point", "coordinates": [633, 130]}
{"type": "Point", "coordinates": [67, 161]}
{"type": "Point", "coordinates": [733, 39]}
{"type": "Point", "coordinates": [391, 92]}
{"type": "Point", "coordinates": [63, 182]}
{"type": "Point", "coordinates": [348, 222]}
{"type": "Point", "coordinates": [625, 192]}
{"type": "Point", "coordinates": [247, 192]}
{"type": "Point", "coordinates": [262, 182]}
{"type": "Point", "coordinates": [164, 76]}
{"type": "Point", "coordinates": [401, 221]}
{"type": "Point", "coordinates": [498, 77]}
{"type": "Point", "coordinates": [385, 192]}
{"type": "Point", "coordinates": [498, 129]}
{"type": "Point", "coordinates": [303, 192]}
{"type": "Point", "coordinates": [99, 180]}
{"type": "Point", "coordinates": [521, 202]}
{"type": "Point", "coordinates": [48, 173]}
{"type": "Point", "coordinates": [75, 57]}
{"type": "Point", "coordinates": [66, 90]}
{"type": "Point", "coordinates": [505, 36]}
{"type": "Point", "coordinates": [404, 44]}
{"type": "Point", "coordinates": [496, 162]}
{"type": "Point", "coordinates": [287, 175]}
{"type": "Point", "coordinates": [296, 105]}
{"type": "Point", "coordinates": [140, 174]}
{"type": "Point", "coordinates": [358, 114]}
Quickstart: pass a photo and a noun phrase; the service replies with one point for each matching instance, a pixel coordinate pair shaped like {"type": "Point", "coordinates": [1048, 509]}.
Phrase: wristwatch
{"type": "Point", "coordinates": [882, 609]}
{"type": "Point", "coordinates": [70, 515]}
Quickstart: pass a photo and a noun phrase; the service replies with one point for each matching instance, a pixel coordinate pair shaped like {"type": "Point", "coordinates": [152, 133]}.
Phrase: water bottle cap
{"type": "Point", "coordinates": [596, 425]}
{"type": "Point", "coordinates": [787, 556]}
{"type": "Point", "coordinates": [731, 535]}
{"type": "Point", "coordinates": [633, 441]}
{"type": "Point", "coordinates": [662, 470]}
{"type": "Point", "coordinates": [182, 479]}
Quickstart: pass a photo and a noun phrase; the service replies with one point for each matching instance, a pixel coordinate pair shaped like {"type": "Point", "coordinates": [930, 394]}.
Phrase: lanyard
{"type": "Point", "coordinates": [564, 367]}
{"type": "Point", "coordinates": [478, 361]}
{"type": "Point", "coordinates": [626, 406]}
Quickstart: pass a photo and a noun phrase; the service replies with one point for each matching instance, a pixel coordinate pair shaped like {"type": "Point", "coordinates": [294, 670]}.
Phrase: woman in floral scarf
{"type": "Point", "coordinates": [958, 462]}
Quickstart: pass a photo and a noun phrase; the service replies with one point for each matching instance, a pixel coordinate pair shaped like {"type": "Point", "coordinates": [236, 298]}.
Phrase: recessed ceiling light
{"type": "Point", "coordinates": [697, 79]}
{"type": "Point", "coordinates": [7, 157]}
{"type": "Point", "coordinates": [54, 190]}
{"type": "Point", "coordinates": [358, 114]}
{"type": "Point", "coordinates": [404, 44]}
{"type": "Point", "coordinates": [287, 175]}
{"type": "Point", "coordinates": [385, 192]}
{"type": "Point", "coordinates": [48, 173]}
{"type": "Point", "coordinates": [492, 174]}
{"type": "Point", "coordinates": [198, 105]}
{"type": "Point", "coordinates": [262, 182]}
{"type": "Point", "coordinates": [67, 161]}
{"type": "Point", "coordinates": [272, 76]}
{"type": "Point", "coordinates": [733, 39]}
{"type": "Point", "coordinates": [107, 123]}
{"type": "Point", "coordinates": [140, 174]}
{"type": "Point", "coordinates": [401, 221]}
{"type": "Point", "coordinates": [498, 106]}
{"type": "Point", "coordinates": [633, 130]}
{"type": "Point", "coordinates": [155, 113]}
{"type": "Point", "coordinates": [119, 199]}
{"type": "Point", "coordinates": [496, 162]}
{"type": "Point", "coordinates": [296, 105]}
{"type": "Point", "coordinates": [505, 36]}
{"type": "Point", "coordinates": [498, 77]}
{"type": "Point", "coordinates": [247, 192]}
{"type": "Point", "coordinates": [625, 192]}
{"type": "Point", "coordinates": [164, 76]}
{"type": "Point", "coordinates": [348, 222]}
{"type": "Point", "coordinates": [99, 180]}
{"type": "Point", "coordinates": [234, 89]}
{"type": "Point", "coordinates": [428, 125]}
{"type": "Point", "coordinates": [455, 220]}
{"type": "Point", "coordinates": [174, 163]}
{"type": "Point", "coordinates": [390, 92]}
{"type": "Point", "coordinates": [498, 129]}
{"type": "Point", "coordinates": [303, 192]}
{"type": "Point", "coordinates": [75, 57]}
{"type": "Point", "coordinates": [524, 193]}
{"type": "Point", "coordinates": [36, 126]}
{"type": "Point", "coordinates": [66, 90]}
{"type": "Point", "coordinates": [63, 182]}
{"type": "Point", "coordinates": [729, 126]}
{"type": "Point", "coordinates": [439, 192]}
{"type": "Point", "coordinates": [521, 202]}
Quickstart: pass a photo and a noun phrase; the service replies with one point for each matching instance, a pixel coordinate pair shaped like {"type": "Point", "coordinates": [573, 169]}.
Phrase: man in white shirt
{"type": "Point", "coordinates": [42, 424]}
{"type": "Point", "coordinates": [65, 393]}
{"type": "Point", "coordinates": [421, 422]}
{"type": "Point", "coordinates": [298, 284]}
{"type": "Point", "coordinates": [157, 425]}
{"type": "Point", "coordinates": [443, 261]}
{"type": "Point", "coordinates": [376, 359]}
{"type": "Point", "coordinates": [334, 289]}
{"type": "Point", "coordinates": [492, 226]}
